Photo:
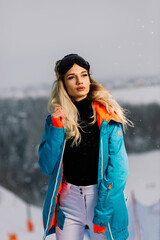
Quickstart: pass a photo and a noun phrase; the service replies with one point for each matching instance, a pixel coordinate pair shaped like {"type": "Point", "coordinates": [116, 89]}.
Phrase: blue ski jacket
{"type": "Point", "coordinates": [110, 211]}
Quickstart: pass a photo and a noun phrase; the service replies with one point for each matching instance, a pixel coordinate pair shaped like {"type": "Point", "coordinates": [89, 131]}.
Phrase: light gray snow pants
{"type": "Point", "coordinates": [77, 203]}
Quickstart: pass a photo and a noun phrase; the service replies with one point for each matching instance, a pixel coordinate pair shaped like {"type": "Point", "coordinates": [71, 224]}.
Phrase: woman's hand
{"type": "Point", "coordinates": [57, 117]}
{"type": "Point", "coordinates": [58, 112]}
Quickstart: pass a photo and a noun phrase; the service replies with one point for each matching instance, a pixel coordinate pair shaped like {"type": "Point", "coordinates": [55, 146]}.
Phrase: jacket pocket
{"type": "Point", "coordinates": [104, 191]}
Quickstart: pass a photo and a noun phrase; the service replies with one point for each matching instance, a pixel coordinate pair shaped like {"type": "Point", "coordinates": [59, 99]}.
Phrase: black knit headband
{"type": "Point", "coordinates": [69, 60]}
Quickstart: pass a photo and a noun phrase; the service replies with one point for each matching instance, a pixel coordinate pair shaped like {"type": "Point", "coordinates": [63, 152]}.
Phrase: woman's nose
{"type": "Point", "coordinates": [79, 80]}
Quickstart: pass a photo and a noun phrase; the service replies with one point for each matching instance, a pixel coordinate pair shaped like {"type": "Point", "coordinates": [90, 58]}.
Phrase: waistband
{"type": "Point", "coordinates": [90, 189]}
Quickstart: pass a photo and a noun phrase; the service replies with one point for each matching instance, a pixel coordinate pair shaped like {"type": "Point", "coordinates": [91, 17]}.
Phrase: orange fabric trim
{"type": "Point", "coordinates": [99, 229]}
{"type": "Point", "coordinates": [103, 114]}
{"type": "Point", "coordinates": [109, 186]}
{"type": "Point", "coordinates": [53, 221]}
{"type": "Point", "coordinates": [56, 122]}
{"type": "Point", "coordinates": [30, 226]}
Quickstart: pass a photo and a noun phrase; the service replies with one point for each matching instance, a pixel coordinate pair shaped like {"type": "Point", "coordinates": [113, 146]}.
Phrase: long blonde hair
{"type": "Point", "coordinates": [60, 98]}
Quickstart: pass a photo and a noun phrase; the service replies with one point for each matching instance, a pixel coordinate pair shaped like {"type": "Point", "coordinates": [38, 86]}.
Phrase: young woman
{"type": "Point", "coordinates": [82, 149]}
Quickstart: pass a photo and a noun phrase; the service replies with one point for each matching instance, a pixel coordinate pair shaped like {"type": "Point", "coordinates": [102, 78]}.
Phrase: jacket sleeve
{"type": "Point", "coordinates": [50, 146]}
{"type": "Point", "coordinates": [115, 176]}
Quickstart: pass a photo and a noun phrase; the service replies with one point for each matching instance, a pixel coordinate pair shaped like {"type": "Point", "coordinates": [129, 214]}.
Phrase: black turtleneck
{"type": "Point", "coordinates": [81, 162]}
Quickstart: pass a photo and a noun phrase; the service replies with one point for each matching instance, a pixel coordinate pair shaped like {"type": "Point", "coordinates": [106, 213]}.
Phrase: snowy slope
{"type": "Point", "coordinates": [13, 217]}
{"type": "Point", "coordinates": [138, 95]}
{"type": "Point", "coordinates": [144, 180]}
{"type": "Point", "coordinates": [144, 177]}
{"type": "Point", "coordinates": [131, 95]}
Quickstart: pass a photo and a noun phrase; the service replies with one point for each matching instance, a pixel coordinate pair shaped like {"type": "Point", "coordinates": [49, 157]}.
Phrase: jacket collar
{"type": "Point", "coordinates": [103, 114]}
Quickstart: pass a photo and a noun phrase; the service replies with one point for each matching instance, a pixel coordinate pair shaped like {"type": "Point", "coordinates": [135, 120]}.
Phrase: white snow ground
{"type": "Point", "coordinates": [131, 95]}
{"type": "Point", "coordinates": [138, 95]}
{"type": "Point", "coordinates": [144, 177]}
{"type": "Point", "coordinates": [144, 180]}
{"type": "Point", "coordinates": [13, 217]}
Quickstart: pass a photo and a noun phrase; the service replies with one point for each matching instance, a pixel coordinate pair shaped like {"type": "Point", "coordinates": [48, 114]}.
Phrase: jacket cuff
{"type": "Point", "coordinates": [56, 122]}
{"type": "Point", "coordinates": [99, 229]}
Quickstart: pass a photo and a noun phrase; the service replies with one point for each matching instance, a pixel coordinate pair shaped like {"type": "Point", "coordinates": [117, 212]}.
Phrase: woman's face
{"type": "Point", "coordinates": [77, 82]}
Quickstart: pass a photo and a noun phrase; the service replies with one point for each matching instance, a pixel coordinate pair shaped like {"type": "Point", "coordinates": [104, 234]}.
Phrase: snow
{"type": "Point", "coordinates": [132, 95]}
{"type": "Point", "coordinates": [20, 93]}
{"type": "Point", "coordinates": [143, 181]}
{"type": "Point", "coordinates": [138, 95]}
{"type": "Point", "coordinates": [14, 217]}
{"type": "Point", "coordinates": [144, 178]}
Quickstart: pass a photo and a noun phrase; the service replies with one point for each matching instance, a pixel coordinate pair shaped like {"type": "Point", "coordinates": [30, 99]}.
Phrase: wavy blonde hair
{"type": "Point", "coordinates": [60, 98]}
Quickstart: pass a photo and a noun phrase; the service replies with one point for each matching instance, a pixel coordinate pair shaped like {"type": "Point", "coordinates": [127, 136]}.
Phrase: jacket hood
{"type": "Point", "coordinates": [103, 114]}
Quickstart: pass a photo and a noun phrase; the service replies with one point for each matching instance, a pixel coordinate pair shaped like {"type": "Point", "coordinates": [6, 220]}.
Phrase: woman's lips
{"type": "Point", "coordinates": [80, 88]}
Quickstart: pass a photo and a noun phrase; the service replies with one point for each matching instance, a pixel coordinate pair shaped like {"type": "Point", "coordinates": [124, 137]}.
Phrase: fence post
{"type": "Point", "coordinates": [30, 226]}
{"type": "Point", "coordinates": [138, 230]}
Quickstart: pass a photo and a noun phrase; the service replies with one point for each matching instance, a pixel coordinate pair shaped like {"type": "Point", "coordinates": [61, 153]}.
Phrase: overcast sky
{"type": "Point", "coordinates": [117, 37]}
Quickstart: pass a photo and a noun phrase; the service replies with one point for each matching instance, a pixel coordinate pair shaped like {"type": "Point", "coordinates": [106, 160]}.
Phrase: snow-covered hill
{"type": "Point", "coordinates": [144, 177]}
{"type": "Point", "coordinates": [132, 94]}
{"type": "Point", "coordinates": [138, 95]}
{"type": "Point", "coordinates": [144, 181]}
{"type": "Point", "coordinates": [13, 217]}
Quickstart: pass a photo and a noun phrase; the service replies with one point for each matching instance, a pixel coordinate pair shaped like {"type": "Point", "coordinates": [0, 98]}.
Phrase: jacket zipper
{"type": "Point", "coordinates": [109, 186]}
{"type": "Point", "coordinates": [101, 159]}
{"type": "Point", "coordinates": [110, 231]}
{"type": "Point", "coordinates": [44, 236]}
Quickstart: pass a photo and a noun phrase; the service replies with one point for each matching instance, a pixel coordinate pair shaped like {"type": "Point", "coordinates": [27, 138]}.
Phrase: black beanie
{"type": "Point", "coordinates": [69, 60]}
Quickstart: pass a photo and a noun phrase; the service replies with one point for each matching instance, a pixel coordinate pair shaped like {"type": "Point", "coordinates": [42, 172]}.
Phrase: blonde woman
{"type": "Point", "coordinates": [82, 149]}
